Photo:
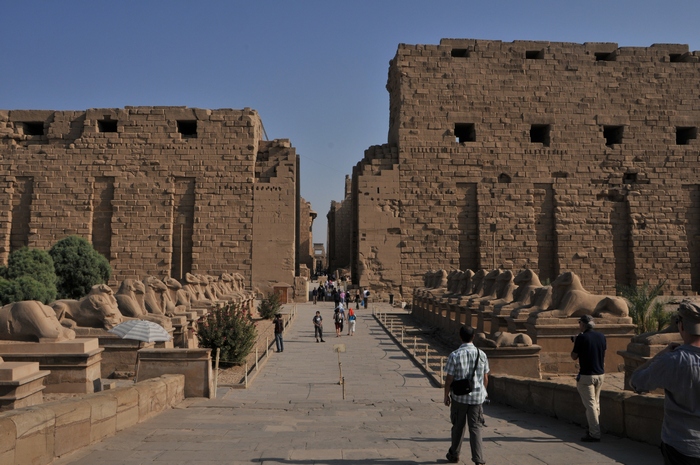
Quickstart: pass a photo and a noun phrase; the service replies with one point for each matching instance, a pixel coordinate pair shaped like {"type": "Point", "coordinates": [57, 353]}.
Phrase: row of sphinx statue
{"type": "Point", "coordinates": [522, 298]}
{"type": "Point", "coordinates": [510, 300]}
{"type": "Point", "coordinates": [151, 298]}
{"type": "Point", "coordinates": [523, 293]}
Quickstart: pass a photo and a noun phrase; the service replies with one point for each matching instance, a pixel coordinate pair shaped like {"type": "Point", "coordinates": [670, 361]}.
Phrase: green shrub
{"type": "Point", "coordinates": [269, 306]}
{"type": "Point", "coordinates": [78, 267]}
{"type": "Point", "coordinates": [29, 275]}
{"type": "Point", "coordinates": [647, 314]}
{"type": "Point", "coordinates": [230, 329]}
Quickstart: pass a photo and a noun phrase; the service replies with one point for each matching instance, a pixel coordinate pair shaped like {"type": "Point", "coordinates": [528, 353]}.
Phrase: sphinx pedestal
{"type": "Point", "coordinates": [195, 364]}
{"type": "Point", "coordinates": [554, 336]}
{"type": "Point", "coordinates": [21, 384]}
{"type": "Point", "coordinates": [635, 356]}
{"type": "Point", "coordinates": [119, 354]}
{"type": "Point", "coordinates": [74, 365]}
{"type": "Point", "coordinates": [514, 361]}
{"type": "Point", "coordinates": [518, 324]}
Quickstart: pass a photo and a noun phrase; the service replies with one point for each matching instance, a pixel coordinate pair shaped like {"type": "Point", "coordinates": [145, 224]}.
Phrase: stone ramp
{"type": "Point", "coordinates": [294, 413]}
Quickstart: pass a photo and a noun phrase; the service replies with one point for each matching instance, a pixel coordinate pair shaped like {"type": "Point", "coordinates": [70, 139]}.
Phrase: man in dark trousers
{"type": "Point", "coordinates": [279, 329]}
{"type": "Point", "coordinates": [466, 410]}
{"type": "Point", "coordinates": [589, 350]}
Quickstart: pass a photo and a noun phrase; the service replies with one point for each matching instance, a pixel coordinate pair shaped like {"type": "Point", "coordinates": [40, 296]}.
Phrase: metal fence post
{"type": "Point", "coordinates": [442, 371]}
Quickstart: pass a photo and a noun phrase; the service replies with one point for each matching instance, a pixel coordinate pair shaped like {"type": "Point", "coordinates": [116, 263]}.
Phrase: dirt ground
{"type": "Point", "coordinates": [229, 376]}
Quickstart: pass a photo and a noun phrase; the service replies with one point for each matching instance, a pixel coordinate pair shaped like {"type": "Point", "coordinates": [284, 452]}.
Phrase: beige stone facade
{"type": "Point", "coordinates": [158, 190]}
{"type": "Point", "coordinates": [306, 249]}
{"type": "Point", "coordinates": [340, 220]}
{"type": "Point", "coordinates": [554, 156]}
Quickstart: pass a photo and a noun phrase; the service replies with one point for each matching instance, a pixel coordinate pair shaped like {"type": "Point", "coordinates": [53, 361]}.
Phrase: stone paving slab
{"type": "Point", "coordinates": [294, 414]}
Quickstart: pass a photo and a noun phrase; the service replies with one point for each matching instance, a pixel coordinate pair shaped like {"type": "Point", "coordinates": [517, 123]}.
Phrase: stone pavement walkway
{"type": "Point", "coordinates": [294, 414]}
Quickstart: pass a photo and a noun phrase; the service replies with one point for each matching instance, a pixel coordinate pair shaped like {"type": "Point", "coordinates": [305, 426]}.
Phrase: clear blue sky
{"type": "Point", "coordinates": [315, 71]}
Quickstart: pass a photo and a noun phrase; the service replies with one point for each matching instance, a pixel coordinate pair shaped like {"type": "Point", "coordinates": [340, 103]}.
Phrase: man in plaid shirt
{"type": "Point", "coordinates": [466, 409]}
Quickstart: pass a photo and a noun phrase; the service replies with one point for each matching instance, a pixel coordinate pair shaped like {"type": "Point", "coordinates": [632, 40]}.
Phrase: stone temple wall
{"type": "Point", "coordinates": [555, 156]}
{"type": "Point", "coordinates": [157, 190]}
{"type": "Point", "coordinates": [306, 251]}
{"type": "Point", "coordinates": [377, 236]}
{"type": "Point", "coordinates": [340, 231]}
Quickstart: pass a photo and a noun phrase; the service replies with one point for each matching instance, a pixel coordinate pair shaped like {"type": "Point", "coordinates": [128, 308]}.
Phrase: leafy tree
{"type": "Point", "coordinates": [646, 313]}
{"type": "Point", "coordinates": [78, 267]}
{"type": "Point", "coordinates": [269, 306]}
{"type": "Point", "coordinates": [7, 291]}
{"type": "Point", "coordinates": [229, 329]}
{"type": "Point", "coordinates": [29, 275]}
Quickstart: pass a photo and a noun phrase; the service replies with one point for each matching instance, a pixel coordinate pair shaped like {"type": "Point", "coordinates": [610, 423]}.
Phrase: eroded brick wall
{"type": "Point", "coordinates": [306, 252]}
{"type": "Point", "coordinates": [556, 156]}
{"type": "Point", "coordinates": [143, 184]}
{"type": "Point", "coordinates": [340, 232]}
{"type": "Point", "coordinates": [377, 236]}
{"type": "Point", "coordinates": [274, 225]}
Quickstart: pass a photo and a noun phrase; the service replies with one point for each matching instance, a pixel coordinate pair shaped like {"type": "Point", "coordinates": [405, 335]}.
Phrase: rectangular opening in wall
{"type": "Point", "coordinates": [183, 227]}
{"type": "Point", "coordinates": [102, 211]}
{"type": "Point", "coordinates": [685, 134]}
{"type": "Point", "coordinates": [534, 54]}
{"type": "Point", "coordinates": [605, 56]}
{"type": "Point", "coordinates": [613, 135]}
{"type": "Point", "coordinates": [33, 128]}
{"type": "Point", "coordinates": [629, 178]}
{"type": "Point", "coordinates": [21, 212]}
{"type": "Point", "coordinates": [539, 134]}
{"type": "Point", "coordinates": [460, 53]}
{"type": "Point", "coordinates": [682, 57]}
{"type": "Point", "coordinates": [187, 128]}
{"type": "Point", "coordinates": [107, 125]}
{"type": "Point", "coordinates": [465, 132]}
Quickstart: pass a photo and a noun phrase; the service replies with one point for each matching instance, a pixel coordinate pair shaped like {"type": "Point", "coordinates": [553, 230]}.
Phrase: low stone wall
{"type": "Point", "coordinates": [40, 433]}
{"type": "Point", "coordinates": [637, 417]}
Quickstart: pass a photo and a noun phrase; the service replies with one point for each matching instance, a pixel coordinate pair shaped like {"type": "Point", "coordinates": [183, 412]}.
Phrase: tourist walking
{"type": "Point", "coordinates": [314, 293]}
{"type": "Point", "coordinates": [351, 322]}
{"type": "Point", "coordinates": [341, 310]}
{"type": "Point", "coordinates": [676, 369]}
{"type": "Point", "coordinates": [589, 350]}
{"type": "Point", "coordinates": [338, 319]}
{"type": "Point", "coordinates": [357, 299]}
{"type": "Point", "coordinates": [466, 366]}
{"type": "Point", "coordinates": [336, 297]}
{"type": "Point", "coordinates": [279, 329]}
{"type": "Point", "coordinates": [365, 296]}
{"type": "Point", "coordinates": [318, 326]}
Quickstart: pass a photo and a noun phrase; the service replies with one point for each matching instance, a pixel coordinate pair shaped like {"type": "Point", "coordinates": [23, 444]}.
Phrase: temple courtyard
{"type": "Point", "coordinates": [294, 413]}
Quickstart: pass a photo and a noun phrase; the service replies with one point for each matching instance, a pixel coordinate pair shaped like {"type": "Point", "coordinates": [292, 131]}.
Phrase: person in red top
{"type": "Point", "coordinates": [351, 322]}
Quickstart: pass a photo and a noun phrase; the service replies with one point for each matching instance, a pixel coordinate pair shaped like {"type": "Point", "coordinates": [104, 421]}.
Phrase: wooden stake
{"type": "Point", "coordinates": [216, 371]}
